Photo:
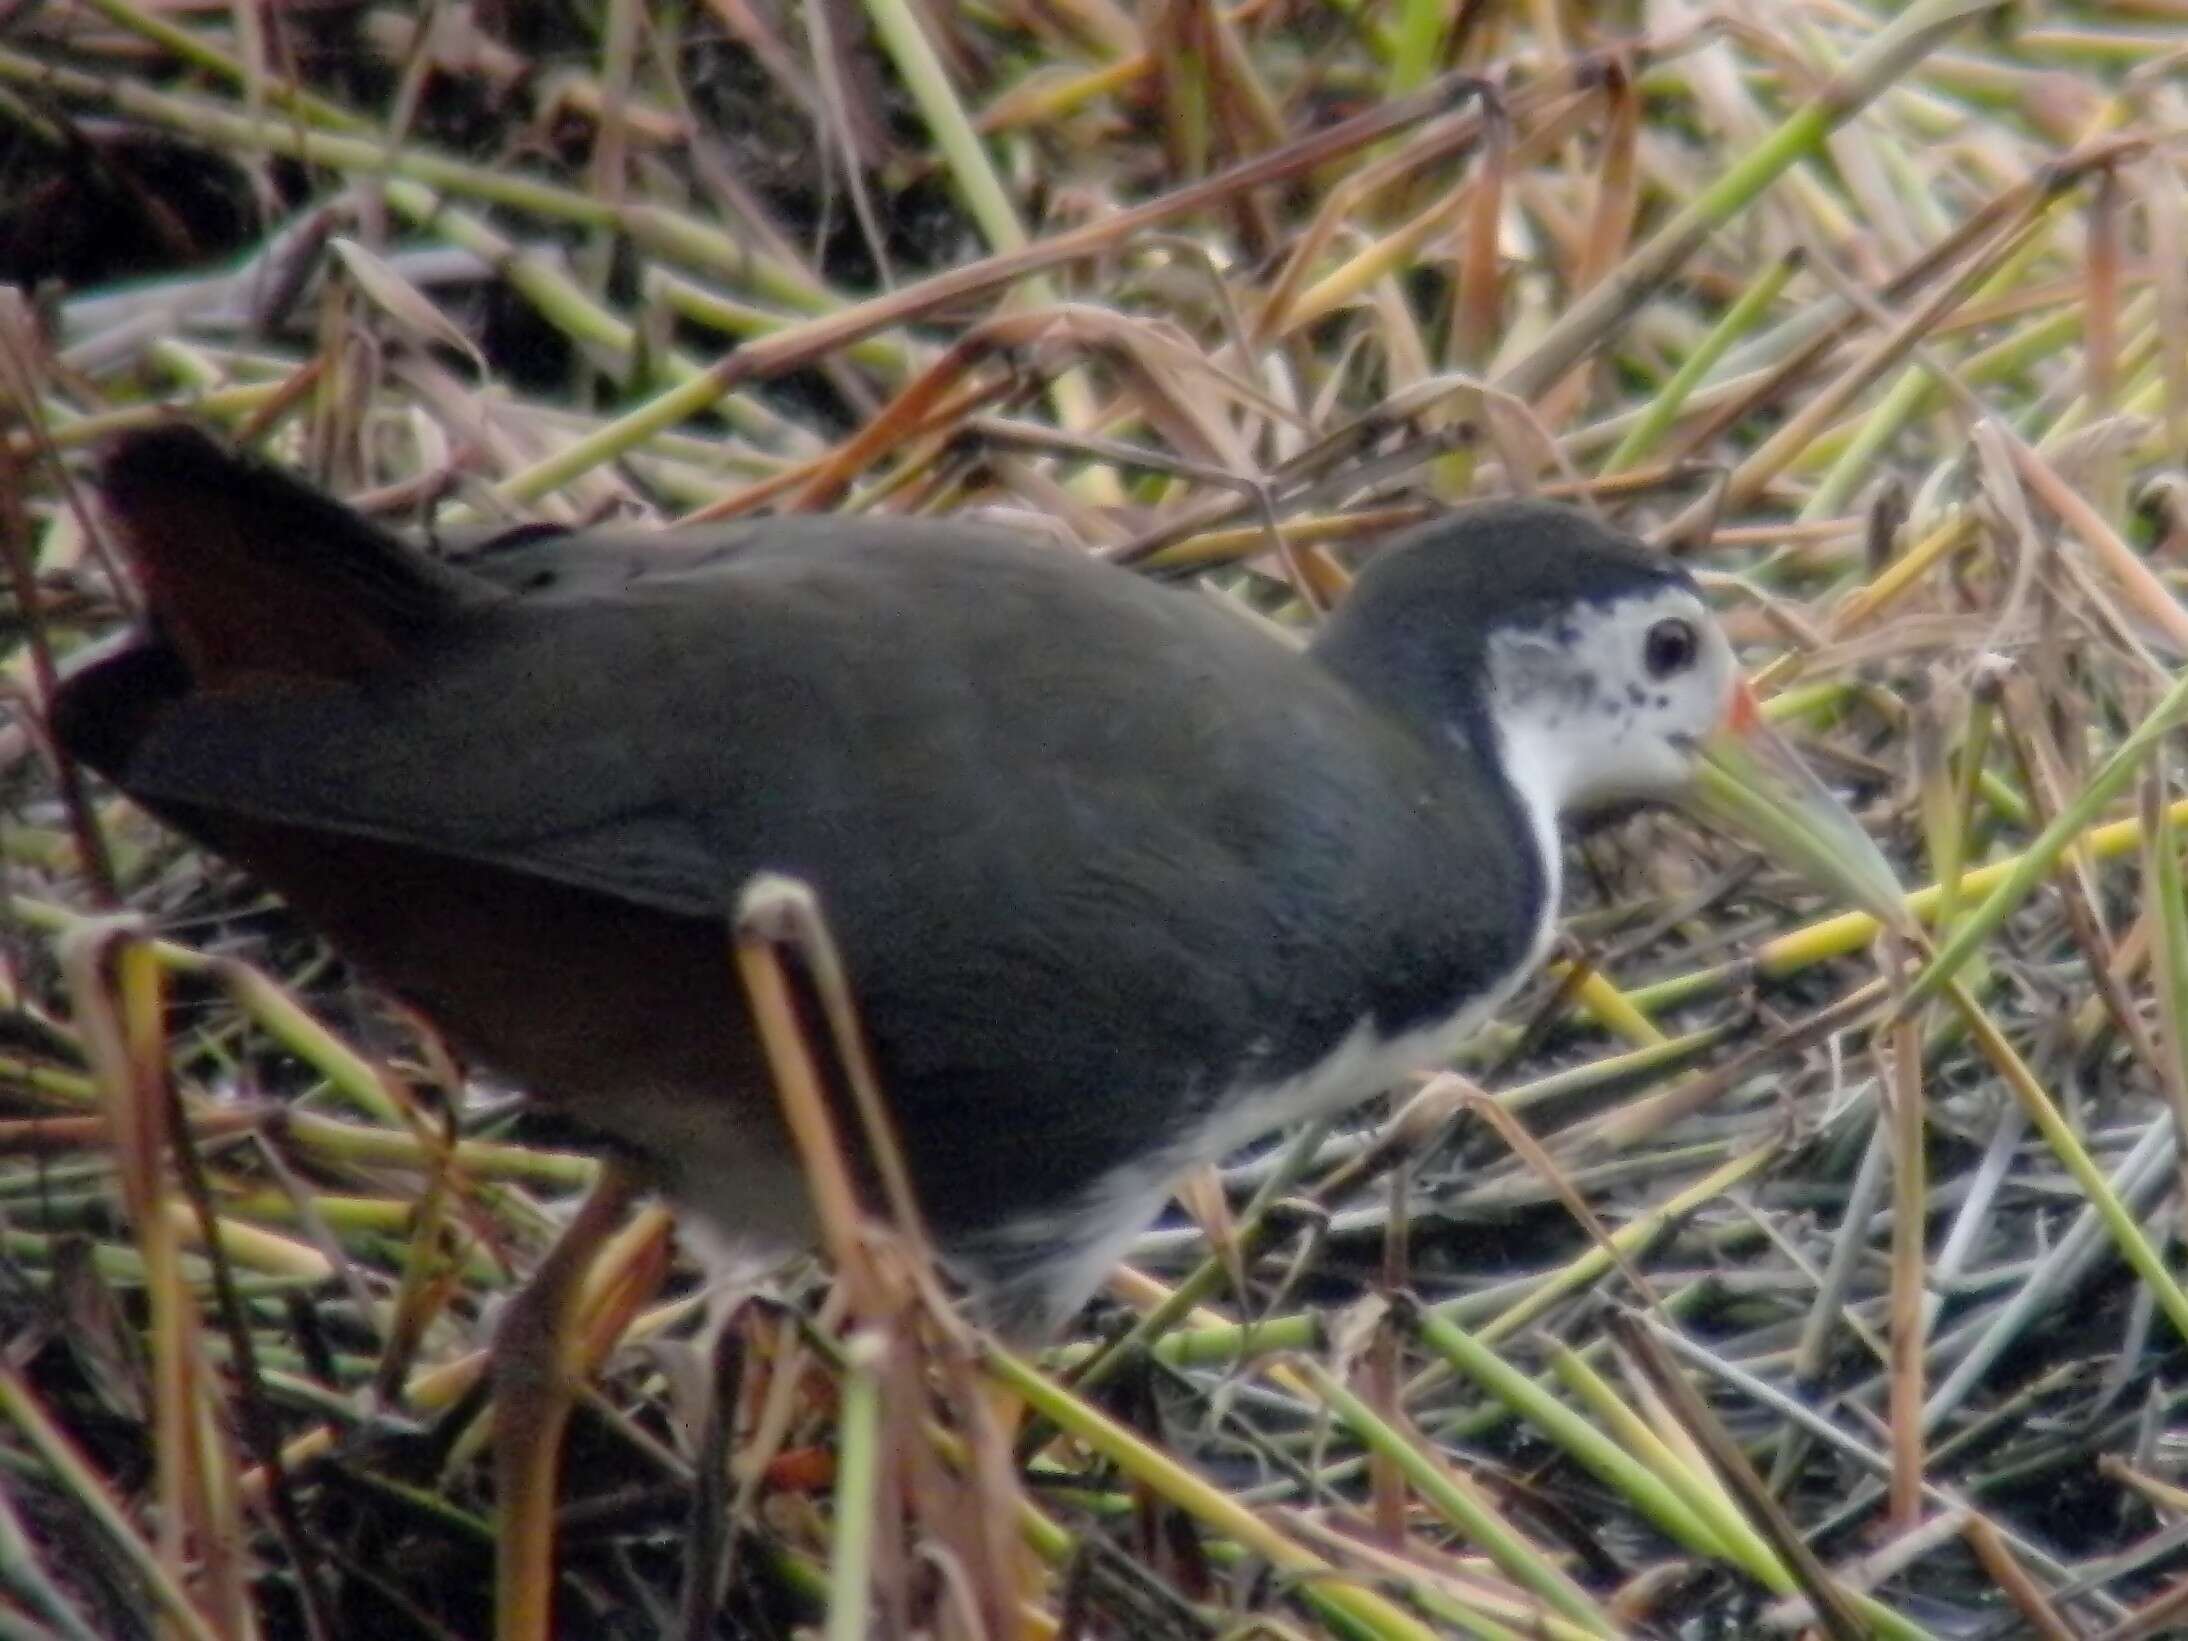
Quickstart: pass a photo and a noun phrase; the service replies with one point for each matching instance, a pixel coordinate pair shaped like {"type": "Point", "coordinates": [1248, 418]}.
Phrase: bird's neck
{"type": "Point", "coordinates": [1433, 686]}
{"type": "Point", "coordinates": [1539, 769]}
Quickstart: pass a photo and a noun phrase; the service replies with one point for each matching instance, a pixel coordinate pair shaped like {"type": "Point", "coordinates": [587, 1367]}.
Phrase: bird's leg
{"type": "Point", "coordinates": [989, 1413]}
{"type": "Point", "coordinates": [532, 1395]}
{"type": "Point", "coordinates": [1005, 1410]}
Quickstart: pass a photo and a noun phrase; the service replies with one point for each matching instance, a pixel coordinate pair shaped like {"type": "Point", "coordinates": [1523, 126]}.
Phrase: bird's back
{"type": "Point", "coordinates": [1090, 845]}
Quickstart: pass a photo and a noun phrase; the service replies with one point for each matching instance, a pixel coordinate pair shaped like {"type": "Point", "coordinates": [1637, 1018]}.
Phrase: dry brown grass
{"type": "Point", "coordinates": [1885, 327]}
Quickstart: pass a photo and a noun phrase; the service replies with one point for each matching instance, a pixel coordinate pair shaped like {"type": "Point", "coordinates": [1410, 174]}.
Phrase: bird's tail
{"type": "Point", "coordinates": [253, 577]}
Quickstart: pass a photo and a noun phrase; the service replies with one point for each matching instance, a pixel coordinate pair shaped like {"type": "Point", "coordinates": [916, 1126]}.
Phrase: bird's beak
{"type": "Point", "coordinates": [1752, 781]}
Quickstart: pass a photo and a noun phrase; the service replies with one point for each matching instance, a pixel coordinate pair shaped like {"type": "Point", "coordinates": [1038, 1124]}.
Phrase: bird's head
{"type": "Point", "coordinates": [1594, 674]}
{"type": "Point", "coordinates": [1601, 701]}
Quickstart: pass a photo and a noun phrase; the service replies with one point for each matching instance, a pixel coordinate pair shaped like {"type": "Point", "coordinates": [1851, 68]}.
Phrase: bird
{"type": "Point", "coordinates": [1121, 881]}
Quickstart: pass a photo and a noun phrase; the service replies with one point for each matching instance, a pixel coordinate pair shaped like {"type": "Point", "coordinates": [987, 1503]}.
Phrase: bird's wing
{"type": "Point", "coordinates": [658, 733]}
{"type": "Point", "coordinates": [1066, 826]}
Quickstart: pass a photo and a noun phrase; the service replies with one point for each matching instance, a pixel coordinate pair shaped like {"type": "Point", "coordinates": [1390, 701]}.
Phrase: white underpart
{"type": "Point", "coordinates": [1129, 1199]}
{"type": "Point", "coordinates": [1563, 752]}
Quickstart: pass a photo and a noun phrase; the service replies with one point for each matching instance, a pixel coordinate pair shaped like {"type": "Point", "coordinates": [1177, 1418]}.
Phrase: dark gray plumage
{"type": "Point", "coordinates": [1100, 856]}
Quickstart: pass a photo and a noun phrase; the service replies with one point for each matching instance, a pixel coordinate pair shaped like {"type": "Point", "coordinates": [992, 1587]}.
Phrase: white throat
{"type": "Point", "coordinates": [1539, 767]}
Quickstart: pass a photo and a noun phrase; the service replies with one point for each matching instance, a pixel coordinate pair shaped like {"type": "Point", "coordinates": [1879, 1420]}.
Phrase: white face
{"type": "Point", "coordinates": [1609, 703]}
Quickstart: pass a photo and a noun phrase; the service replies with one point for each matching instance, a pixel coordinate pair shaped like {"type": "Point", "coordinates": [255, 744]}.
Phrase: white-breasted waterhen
{"type": "Point", "coordinates": [1120, 881]}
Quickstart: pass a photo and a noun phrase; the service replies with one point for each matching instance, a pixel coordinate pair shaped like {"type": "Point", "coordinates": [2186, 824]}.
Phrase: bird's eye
{"type": "Point", "coordinates": [1671, 647]}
